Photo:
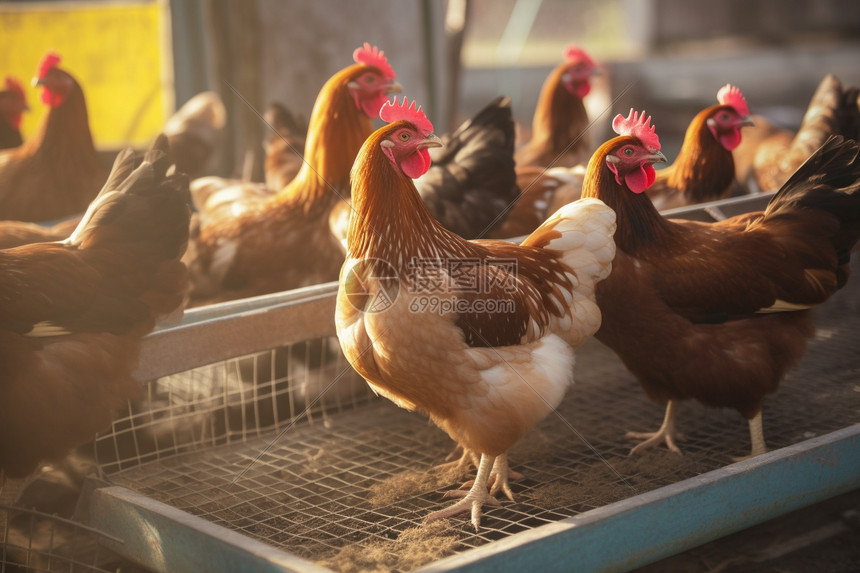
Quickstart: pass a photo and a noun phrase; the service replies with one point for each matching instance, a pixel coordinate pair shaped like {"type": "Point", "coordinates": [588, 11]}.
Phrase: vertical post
{"type": "Point", "coordinates": [456, 24]}
{"type": "Point", "coordinates": [429, 56]}
{"type": "Point", "coordinates": [234, 30]}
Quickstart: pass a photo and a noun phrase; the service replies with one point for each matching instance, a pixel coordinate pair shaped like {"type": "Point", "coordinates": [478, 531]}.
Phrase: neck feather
{"type": "Point", "coordinates": [389, 220]}
{"type": "Point", "coordinates": [336, 131]}
{"type": "Point", "coordinates": [640, 225]}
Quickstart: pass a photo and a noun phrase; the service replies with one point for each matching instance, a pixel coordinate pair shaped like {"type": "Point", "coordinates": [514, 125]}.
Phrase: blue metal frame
{"type": "Point", "coordinates": [617, 537]}
{"type": "Point", "coordinates": [654, 525]}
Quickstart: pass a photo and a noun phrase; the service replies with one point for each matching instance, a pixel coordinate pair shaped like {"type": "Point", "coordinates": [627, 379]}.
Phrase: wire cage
{"type": "Point", "coordinates": [31, 540]}
{"type": "Point", "coordinates": [254, 423]}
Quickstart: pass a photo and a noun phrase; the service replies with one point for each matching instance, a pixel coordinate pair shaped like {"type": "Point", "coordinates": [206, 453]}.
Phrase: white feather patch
{"type": "Point", "coordinates": [46, 329]}
{"type": "Point", "coordinates": [222, 258]}
{"type": "Point", "coordinates": [784, 306]}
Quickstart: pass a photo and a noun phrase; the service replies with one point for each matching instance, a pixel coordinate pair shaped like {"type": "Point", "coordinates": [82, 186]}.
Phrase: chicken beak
{"type": "Point", "coordinates": [657, 157]}
{"type": "Point", "coordinates": [36, 82]}
{"type": "Point", "coordinates": [394, 88]}
{"type": "Point", "coordinates": [596, 72]}
{"type": "Point", "coordinates": [431, 140]}
{"type": "Point", "coordinates": [746, 120]}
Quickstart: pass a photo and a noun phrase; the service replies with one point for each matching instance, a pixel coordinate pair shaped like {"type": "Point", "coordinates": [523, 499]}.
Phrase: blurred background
{"type": "Point", "coordinates": [139, 60]}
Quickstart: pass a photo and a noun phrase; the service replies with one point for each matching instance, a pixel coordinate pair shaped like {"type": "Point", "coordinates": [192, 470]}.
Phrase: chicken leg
{"type": "Point", "coordinates": [500, 475]}
{"type": "Point", "coordinates": [756, 438]}
{"type": "Point", "coordinates": [667, 432]}
{"type": "Point", "coordinates": [473, 499]}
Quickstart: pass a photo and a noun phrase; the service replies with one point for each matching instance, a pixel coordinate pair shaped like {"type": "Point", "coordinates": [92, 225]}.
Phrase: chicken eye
{"type": "Point", "coordinates": [628, 151]}
{"type": "Point", "coordinates": [369, 79]}
{"type": "Point", "coordinates": [404, 136]}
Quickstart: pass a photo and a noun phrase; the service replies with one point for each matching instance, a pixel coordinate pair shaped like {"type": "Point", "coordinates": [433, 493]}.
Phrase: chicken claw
{"type": "Point", "coordinates": [500, 475]}
{"type": "Point", "coordinates": [473, 500]}
{"type": "Point", "coordinates": [667, 433]}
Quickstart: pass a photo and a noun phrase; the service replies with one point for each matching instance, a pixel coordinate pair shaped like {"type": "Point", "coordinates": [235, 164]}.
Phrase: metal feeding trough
{"type": "Point", "coordinates": [256, 447]}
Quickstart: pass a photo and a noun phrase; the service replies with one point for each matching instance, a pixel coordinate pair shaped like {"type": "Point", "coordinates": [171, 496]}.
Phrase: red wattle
{"type": "Point", "coordinates": [371, 106]}
{"type": "Point", "coordinates": [578, 88]}
{"type": "Point", "coordinates": [730, 139]}
{"type": "Point", "coordinates": [50, 98]}
{"type": "Point", "coordinates": [416, 164]}
{"type": "Point", "coordinates": [640, 180]}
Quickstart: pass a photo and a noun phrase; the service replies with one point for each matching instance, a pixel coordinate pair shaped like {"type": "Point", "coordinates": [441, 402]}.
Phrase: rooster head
{"type": "Point", "coordinates": [725, 120]}
{"type": "Point", "coordinates": [632, 159]}
{"type": "Point", "coordinates": [372, 81]}
{"type": "Point", "coordinates": [13, 102]}
{"type": "Point", "coordinates": [408, 137]}
{"type": "Point", "coordinates": [56, 84]}
{"type": "Point", "coordinates": [579, 67]}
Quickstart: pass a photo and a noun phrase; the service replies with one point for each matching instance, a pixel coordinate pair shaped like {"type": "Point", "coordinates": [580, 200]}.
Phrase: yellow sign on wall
{"type": "Point", "coordinates": [116, 52]}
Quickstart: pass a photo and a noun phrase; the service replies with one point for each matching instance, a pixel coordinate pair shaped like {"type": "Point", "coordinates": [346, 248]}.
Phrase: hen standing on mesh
{"type": "Point", "coordinates": [74, 311]}
{"type": "Point", "coordinates": [550, 166]}
{"type": "Point", "coordinates": [481, 334]}
{"type": "Point", "coordinates": [768, 155]}
{"type": "Point", "coordinates": [283, 241]}
{"type": "Point", "coordinates": [719, 312]}
{"type": "Point", "coordinates": [560, 123]}
{"type": "Point", "coordinates": [704, 169]}
{"type": "Point", "coordinates": [56, 172]}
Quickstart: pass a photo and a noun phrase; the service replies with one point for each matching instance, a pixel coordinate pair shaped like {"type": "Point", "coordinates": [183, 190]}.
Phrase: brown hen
{"type": "Point", "coordinates": [56, 172]}
{"type": "Point", "coordinates": [75, 311]}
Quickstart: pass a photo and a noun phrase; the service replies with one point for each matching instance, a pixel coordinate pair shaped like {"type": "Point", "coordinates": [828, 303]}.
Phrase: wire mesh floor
{"type": "Point", "coordinates": [34, 541]}
{"type": "Point", "coordinates": [350, 489]}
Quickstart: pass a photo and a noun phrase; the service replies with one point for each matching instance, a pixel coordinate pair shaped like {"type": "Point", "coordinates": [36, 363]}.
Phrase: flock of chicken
{"type": "Point", "coordinates": [715, 312]}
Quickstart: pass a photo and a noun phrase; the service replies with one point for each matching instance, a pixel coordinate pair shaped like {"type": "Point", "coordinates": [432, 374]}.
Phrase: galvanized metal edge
{"type": "Point", "coordinates": [210, 334]}
{"type": "Point", "coordinates": [653, 525]}
{"type": "Point", "coordinates": [169, 540]}
{"type": "Point", "coordinates": [727, 207]}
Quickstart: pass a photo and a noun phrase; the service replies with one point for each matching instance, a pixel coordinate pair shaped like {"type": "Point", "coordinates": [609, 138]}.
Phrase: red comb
{"type": "Point", "coordinates": [14, 85]}
{"type": "Point", "coordinates": [638, 126]}
{"type": "Point", "coordinates": [392, 112]}
{"type": "Point", "coordinates": [373, 56]}
{"type": "Point", "coordinates": [574, 53]}
{"type": "Point", "coordinates": [49, 61]}
{"type": "Point", "coordinates": [731, 95]}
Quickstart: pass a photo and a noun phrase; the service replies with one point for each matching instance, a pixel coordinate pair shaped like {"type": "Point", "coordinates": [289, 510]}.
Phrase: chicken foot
{"type": "Point", "coordinates": [667, 433]}
{"type": "Point", "coordinates": [474, 499]}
